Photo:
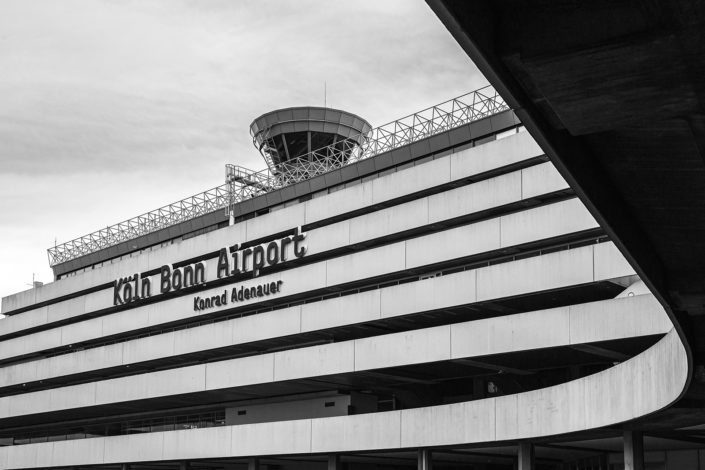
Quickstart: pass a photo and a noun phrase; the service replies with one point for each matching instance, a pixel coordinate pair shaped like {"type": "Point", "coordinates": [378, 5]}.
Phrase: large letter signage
{"type": "Point", "coordinates": [231, 262]}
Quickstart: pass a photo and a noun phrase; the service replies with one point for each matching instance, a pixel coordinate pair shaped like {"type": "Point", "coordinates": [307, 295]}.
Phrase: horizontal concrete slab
{"type": "Point", "coordinates": [463, 201]}
{"type": "Point", "coordinates": [553, 220]}
{"type": "Point", "coordinates": [631, 389]}
{"type": "Point", "coordinates": [466, 163]}
{"type": "Point", "coordinates": [616, 319]}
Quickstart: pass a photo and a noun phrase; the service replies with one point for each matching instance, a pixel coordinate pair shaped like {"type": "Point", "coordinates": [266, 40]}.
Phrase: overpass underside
{"type": "Point", "coordinates": [614, 92]}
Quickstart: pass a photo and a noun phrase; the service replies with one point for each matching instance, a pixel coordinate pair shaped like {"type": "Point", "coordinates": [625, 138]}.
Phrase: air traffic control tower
{"type": "Point", "coordinates": [286, 135]}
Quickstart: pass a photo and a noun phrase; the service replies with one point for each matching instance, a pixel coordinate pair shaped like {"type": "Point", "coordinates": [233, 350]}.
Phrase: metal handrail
{"type": "Point", "coordinates": [149, 222]}
{"type": "Point", "coordinates": [242, 183]}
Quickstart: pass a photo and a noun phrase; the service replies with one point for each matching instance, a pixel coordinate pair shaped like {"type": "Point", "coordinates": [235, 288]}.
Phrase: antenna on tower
{"type": "Point", "coordinates": [325, 94]}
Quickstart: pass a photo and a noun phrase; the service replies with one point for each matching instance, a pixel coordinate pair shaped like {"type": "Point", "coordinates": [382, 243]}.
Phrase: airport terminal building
{"type": "Point", "coordinates": [429, 293]}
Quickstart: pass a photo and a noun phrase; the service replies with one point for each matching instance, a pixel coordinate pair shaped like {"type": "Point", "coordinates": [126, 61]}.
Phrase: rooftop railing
{"type": "Point", "coordinates": [166, 216]}
{"type": "Point", "coordinates": [242, 183]}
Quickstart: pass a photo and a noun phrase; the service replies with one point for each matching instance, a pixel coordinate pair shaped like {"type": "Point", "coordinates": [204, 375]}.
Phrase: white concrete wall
{"type": "Point", "coordinates": [642, 385]}
{"type": "Point", "coordinates": [639, 386]}
{"type": "Point", "coordinates": [429, 294]}
{"type": "Point", "coordinates": [457, 166]}
{"type": "Point", "coordinates": [487, 194]}
{"type": "Point", "coordinates": [534, 224]}
{"type": "Point", "coordinates": [616, 318]}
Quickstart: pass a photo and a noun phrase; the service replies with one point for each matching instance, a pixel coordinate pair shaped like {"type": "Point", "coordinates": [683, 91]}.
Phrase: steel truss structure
{"type": "Point", "coordinates": [166, 216]}
{"type": "Point", "coordinates": [242, 183]}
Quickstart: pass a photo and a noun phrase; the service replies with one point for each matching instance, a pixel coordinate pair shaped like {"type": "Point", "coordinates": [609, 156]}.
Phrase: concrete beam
{"type": "Point", "coordinates": [487, 365]}
{"type": "Point", "coordinates": [599, 351]}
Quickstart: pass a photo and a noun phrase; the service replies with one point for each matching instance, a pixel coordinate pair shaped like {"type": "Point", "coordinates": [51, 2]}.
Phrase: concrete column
{"type": "Point", "coordinates": [184, 465]}
{"type": "Point", "coordinates": [334, 462]}
{"type": "Point", "coordinates": [424, 460]}
{"type": "Point", "coordinates": [525, 456]}
{"type": "Point", "coordinates": [253, 463]}
{"type": "Point", "coordinates": [125, 466]}
{"type": "Point", "coordinates": [633, 450]}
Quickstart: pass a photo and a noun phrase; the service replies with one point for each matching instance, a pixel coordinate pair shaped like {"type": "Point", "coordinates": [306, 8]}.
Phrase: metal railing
{"type": "Point", "coordinates": [166, 216]}
{"type": "Point", "coordinates": [242, 183]}
{"type": "Point", "coordinates": [430, 121]}
{"type": "Point", "coordinates": [434, 120]}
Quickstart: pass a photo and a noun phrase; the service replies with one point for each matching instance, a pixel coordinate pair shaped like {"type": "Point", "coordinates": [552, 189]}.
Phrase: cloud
{"type": "Point", "coordinates": [112, 108]}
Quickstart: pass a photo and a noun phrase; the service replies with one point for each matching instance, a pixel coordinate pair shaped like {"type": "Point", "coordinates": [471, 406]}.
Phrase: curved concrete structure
{"type": "Point", "coordinates": [595, 322]}
{"type": "Point", "coordinates": [464, 299]}
{"type": "Point", "coordinates": [566, 408]}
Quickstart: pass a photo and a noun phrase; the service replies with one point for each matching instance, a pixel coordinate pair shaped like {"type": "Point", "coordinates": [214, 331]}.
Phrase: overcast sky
{"type": "Point", "coordinates": [112, 108]}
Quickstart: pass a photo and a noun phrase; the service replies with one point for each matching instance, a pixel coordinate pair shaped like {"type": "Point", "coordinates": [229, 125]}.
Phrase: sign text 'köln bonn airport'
{"type": "Point", "coordinates": [232, 261]}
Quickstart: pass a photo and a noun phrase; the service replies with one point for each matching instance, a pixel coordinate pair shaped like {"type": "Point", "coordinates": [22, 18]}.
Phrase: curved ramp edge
{"type": "Point", "coordinates": [639, 386]}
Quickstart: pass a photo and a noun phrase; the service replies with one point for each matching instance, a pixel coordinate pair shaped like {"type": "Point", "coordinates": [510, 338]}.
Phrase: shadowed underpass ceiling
{"type": "Point", "coordinates": [614, 92]}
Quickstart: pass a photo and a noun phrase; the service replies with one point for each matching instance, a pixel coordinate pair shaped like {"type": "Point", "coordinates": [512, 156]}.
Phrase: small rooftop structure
{"type": "Point", "coordinates": [284, 135]}
{"type": "Point", "coordinates": [351, 142]}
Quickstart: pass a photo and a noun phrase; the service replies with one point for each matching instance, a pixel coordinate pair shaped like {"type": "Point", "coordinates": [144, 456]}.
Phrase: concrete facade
{"type": "Point", "coordinates": [466, 299]}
